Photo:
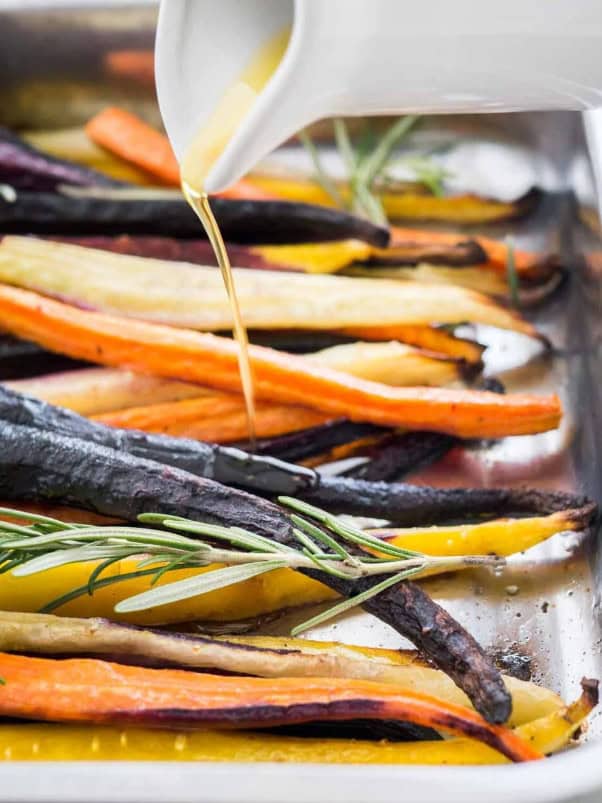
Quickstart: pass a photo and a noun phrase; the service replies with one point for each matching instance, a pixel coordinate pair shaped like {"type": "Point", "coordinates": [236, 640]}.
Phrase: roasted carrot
{"type": "Point", "coordinates": [193, 295]}
{"type": "Point", "coordinates": [461, 262]}
{"type": "Point", "coordinates": [216, 417]}
{"type": "Point", "coordinates": [467, 208]}
{"type": "Point", "coordinates": [280, 377]}
{"type": "Point", "coordinates": [72, 144]}
{"type": "Point", "coordinates": [80, 690]}
{"type": "Point", "coordinates": [259, 656]}
{"type": "Point", "coordinates": [549, 734]}
{"type": "Point", "coordinates": [428, 338]}
{"type": "Point", "coordinates": [335, 256]}
{"type": "Point", "coordinates": [94, 391]}
{"type": "Point", "coordinates": [130, 138]}
{"type": "Point", "coordinates": [137, 65]}
{"type": "Point", "coordinates": [412, 203]}
{"type": "Point", "coordinates": [528, 265]}
{"type": "Point", "coordinates": [221, 417]}
{"type": "Point", "coordinates": [500, 536]}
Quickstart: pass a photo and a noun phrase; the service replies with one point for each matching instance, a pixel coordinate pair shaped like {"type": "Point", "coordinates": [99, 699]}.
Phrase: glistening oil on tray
{"type": "Point", "coordinates": [205, 148]}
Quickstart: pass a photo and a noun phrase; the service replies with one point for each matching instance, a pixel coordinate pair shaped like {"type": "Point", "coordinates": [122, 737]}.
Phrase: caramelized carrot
{"type": "Point", "coordinates": [137, 65]}
{"type": "Point", "coordinates": [280, 377]}
{"type": "Point", "coordinates": [409, 203]}
{"type": "Point", "coordinates": [428, 338]}
{"type": "Point", "coordinates": [217, 418]}
{"type": "Point", "coordinates": [528, 264]}
{"type": "Point", "coordinates": [83, 690]}
{"type": "Point", "coordinates": [130, 138]}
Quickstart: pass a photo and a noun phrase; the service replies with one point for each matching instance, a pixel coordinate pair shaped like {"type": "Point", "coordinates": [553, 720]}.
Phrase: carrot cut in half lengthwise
{"type": "Point", "coordinates": [192, 296]}
{"type": "Point", "coordinates": [549, 734]}
{"type": "Point", "coordinates": [211, 360]}
{"type": "Point", "coordinates": [427, 338]}
{"type": "Point", "coordinates": [100, 692]}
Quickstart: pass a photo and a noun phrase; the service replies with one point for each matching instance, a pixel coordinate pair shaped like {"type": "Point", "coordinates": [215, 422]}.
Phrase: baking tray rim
{"type": "Point", "coordinates": [572, 774]}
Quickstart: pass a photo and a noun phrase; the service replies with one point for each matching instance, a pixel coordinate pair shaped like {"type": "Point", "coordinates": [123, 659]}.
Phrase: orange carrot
{"type": "Point", "coordinates": [84, 690]}
{"type": "Point", "coordinates": [137, 65]}
{"type": "Point", "coordinates": [217, 417]}
{"type": "Point", "coordinates": [211, 360]}
{"type": "Point", "coordinates": [133, 140]}
{"type": "Point", "coordinates": [427, 338]}
{"type": "Point", "coordinates": [530, 265]}
{"type": "Point", "coordinates": [243, 190]}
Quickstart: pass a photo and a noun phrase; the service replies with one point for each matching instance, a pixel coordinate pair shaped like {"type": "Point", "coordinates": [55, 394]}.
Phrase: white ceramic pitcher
{"type": "Point", "coordinates": [367, 57]}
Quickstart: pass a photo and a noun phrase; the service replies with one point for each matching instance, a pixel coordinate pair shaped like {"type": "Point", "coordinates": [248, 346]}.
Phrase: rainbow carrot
{"type": "Point", "coordinates": [93, 691]}
{"type": "Point", "coordinates": [211, 360]}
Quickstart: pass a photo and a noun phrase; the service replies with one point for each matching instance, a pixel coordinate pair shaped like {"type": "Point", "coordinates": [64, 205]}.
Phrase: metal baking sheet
{"type": "Point", "coordinates": [544, 611]}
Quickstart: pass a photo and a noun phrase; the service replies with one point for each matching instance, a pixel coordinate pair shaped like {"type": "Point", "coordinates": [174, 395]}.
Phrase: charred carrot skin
{"type": "Point", "coordinates": [428, 338]}
{"type": "Point", "coordinates": [548, 734]}
{"type": "Point", "coordinates": [230, 466]}
{"type": "Point", "coordinates": [80, 690]}
{"type": "Point", "coordinates": [40, 466]}
{"type": "Point", "coordinates": [259, 656]}
{"type": "Point", "coordinates": [530, 266]}
{"type": "Point", "coordinates": [404, 504]}
{"type": "Point", "coordinates": [208, 359]}
{"type": "Point", "coordinates": [241, 220]}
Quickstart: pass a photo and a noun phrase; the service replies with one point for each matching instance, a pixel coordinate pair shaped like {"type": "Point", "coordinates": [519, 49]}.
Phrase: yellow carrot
{"type": "Point", "coordinates": [183, 294]}
{"type": "Point", "coordinates": [93, 691]}
{"type": "Point", "coordinates": [407, 205]}
{"type": "Point", "coordinates": [501, 537]}
{"type": "Point", "coordinates": [98, 743]}
{"type": "Point", "coordinates": [266, 593]}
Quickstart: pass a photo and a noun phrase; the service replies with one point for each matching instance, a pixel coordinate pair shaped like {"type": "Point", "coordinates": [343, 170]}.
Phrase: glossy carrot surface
{"type": "Point", "coordinates": [86, 690]}
{"type": "Point", "coordinates": [211, 360]}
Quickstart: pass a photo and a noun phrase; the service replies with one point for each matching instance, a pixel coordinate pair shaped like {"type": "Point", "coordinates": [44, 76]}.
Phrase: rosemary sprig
{"type": "Point", "coordinates": [324, 543]}
{"type": "Point", "coordinates": [353, 602]}
{"type": "Point", "coordinates": [366, 167]}
{"type": "Point", "coordinates": [426, 172]}
{"type": "Point", "coordinates": [375, 162]}
{"type": "Point", "coordinates": [320, 174]}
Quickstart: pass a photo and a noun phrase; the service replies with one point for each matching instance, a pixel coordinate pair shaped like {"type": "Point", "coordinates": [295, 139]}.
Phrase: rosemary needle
{"type": "Point", "coordinates": [228, 555]}
{"type": "Point", "coordinates": [364, 166]}
{"type": "Point", "coordinates": [322, 177]}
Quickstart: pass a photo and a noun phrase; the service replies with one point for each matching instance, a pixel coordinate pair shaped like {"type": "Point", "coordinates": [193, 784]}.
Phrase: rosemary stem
{"type": "Point", "coordinates": [321, 175]}
{"type": "Point", "coordinates": [355, 568]}
{"type": "Point", "coordinates": [341, 136]}
{"type": "Point", "coordinates": [373, 164]}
